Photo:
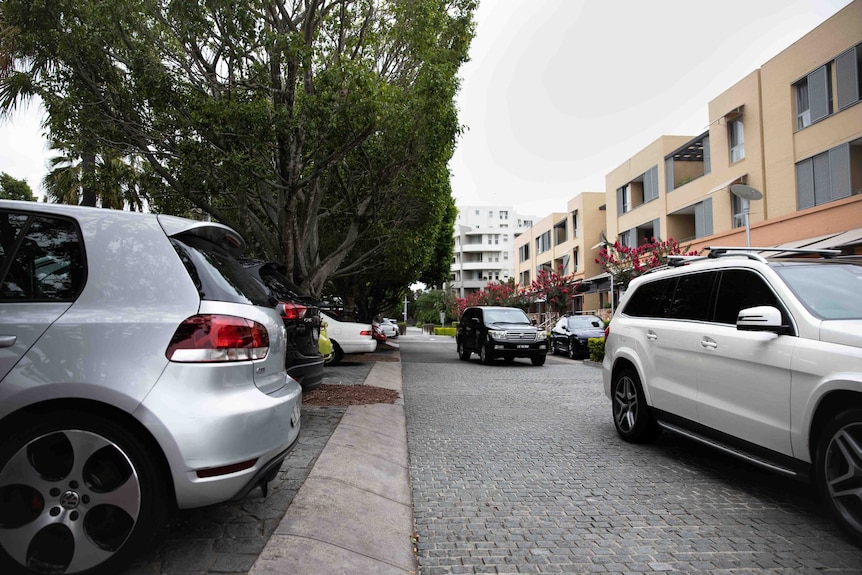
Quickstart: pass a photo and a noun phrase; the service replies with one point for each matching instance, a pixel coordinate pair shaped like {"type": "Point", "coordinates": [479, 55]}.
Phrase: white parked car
{"type": "Point", "coordinates": [388, 328]}
{"type": "Point", "coordinates": [347, 337]}
{"type": "Point", "coordinates": [760, 358]}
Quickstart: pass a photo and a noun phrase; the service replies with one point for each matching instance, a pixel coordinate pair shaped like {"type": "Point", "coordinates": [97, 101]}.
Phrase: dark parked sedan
{"type": "Point", "coordinates": [301, 317]}
{"type": "Point", "coordinates": [571, 334]}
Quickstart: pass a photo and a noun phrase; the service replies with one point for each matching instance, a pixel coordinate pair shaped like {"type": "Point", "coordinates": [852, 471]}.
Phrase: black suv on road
{"type": "Point", "coordinates": [500, 332]}
{"type": "Point", "coordinates": [301, 316]}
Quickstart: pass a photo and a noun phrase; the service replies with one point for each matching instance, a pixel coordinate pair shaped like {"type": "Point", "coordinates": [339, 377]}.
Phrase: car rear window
{"type": "Point", "coordinates": [217, 275]}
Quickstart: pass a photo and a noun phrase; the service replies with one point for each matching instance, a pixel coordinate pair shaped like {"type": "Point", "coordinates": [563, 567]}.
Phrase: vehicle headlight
{"type": "Point", "coordinates": [541, 335]}
{"type": "Point", "coordinates": [497, 334]}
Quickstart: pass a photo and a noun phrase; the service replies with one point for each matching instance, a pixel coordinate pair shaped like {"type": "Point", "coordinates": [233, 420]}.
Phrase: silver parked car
{"type": "Point", "coordinates": [142, 369]}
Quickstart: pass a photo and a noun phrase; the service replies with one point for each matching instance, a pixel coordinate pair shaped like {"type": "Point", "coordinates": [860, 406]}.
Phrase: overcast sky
{"type": "Point", "coordinates": [560, 92]}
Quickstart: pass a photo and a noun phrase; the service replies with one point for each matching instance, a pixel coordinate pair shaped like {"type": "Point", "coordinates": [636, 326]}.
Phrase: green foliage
{"type": "Point", "coordinates": [14, 189]}
{"type": "Point", "coordinates": [323, 135]}
{"type": "Point", "coordinates": [448, 331]}
{"type": "Point", "coordinates": [429, 305]}
{"type": "Point", "coordinates": [596, 346]}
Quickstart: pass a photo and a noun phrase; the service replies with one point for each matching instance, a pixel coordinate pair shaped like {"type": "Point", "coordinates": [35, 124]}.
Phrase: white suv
{"type": "Point", "coordinates": [760, 358]}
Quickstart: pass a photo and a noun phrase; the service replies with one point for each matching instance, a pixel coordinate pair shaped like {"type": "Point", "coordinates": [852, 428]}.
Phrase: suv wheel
{"type": "Point", "coordinates": [485, 354]}
{"type": "Point", "coordinates": [80, 493]}
{"type": "Point", "coordinates": [538, 360]}
{"type": "Point", "coordinates": [573, 354]}
{"type": "Point", "coordinates": [632, 417]}
{"type": "Point", "coordinates": [838, 470]}
{"type": "Point", "coordinates": [463, 354]}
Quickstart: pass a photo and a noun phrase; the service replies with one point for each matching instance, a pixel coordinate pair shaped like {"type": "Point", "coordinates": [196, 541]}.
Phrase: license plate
{"type": "Point", "coordinates": [523, 346]}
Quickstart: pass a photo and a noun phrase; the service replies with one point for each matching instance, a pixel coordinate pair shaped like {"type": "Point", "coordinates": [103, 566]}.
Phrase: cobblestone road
{"type": "Point", "coordinates": [517, 469]}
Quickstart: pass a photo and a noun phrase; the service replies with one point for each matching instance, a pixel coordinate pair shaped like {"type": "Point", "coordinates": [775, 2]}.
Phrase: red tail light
{"type": "Point", "coordinates": [211, 338]}
{"type": "Point", "coordinates": [607, 331]}
{"type": "Point", "coordinates": [291, 311]}
{"type": "Point", "coordinates": [365, 332]}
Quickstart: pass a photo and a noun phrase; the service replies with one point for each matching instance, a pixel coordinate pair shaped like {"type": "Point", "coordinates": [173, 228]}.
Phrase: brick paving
{"type": "Point", "coordinates": [517, 469]}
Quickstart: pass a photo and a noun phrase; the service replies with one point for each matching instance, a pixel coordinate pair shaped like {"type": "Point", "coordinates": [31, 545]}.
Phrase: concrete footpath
{"type": "Point", "coordinates": [354, 513]}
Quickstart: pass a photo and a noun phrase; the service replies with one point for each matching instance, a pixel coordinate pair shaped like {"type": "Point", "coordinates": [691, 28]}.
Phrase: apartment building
{"type": "Point", "coordinates": [484, 246]}
{"type": "Point", "coordinates": [791, 131]}
{"type": "Point", "coordinates": [563, 242]}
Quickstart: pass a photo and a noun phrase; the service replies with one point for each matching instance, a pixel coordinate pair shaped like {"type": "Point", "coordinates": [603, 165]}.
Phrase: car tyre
{"type": "Point", "coordinates": [485, 354]}
{"type": "Point", "coordinates": [838, 470]}
{"type": "Point", "coordinates": [633, 418]}
{"type": "Point", "coordinates": [336, 356]}
{"type": "Point", "coordinates": [538, 360]}
{"type": "Point", "coordinates": [80, 494]}
{"type": "Point", "coordinates": [463, 353]}
{"type": "Point", "coordinates": [573, 354]}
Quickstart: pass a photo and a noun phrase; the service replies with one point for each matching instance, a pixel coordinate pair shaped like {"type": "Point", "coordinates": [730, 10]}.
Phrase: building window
{"type": "Point", "coordinates": [736, 136]}
{"type": "Point", "coordinates": [813, 97]}
{"type": "Point", "coordinates": [828, 176]}
{"type": "Point", "coordinates": [491, 214]}
{"type": "Point", "coordinates": [477, 212]}
{"type": "Point", "coordinates": [703, 219]}
{"type": "Point", "coordinates": [650, 184]}
{"type": "Point", "coordinates": [575, 224]}
{"type": "Point", "coordinates": [504, 215]}
{"type": "Point", "coordinates": [543, 242]}
{"type": "Point", "coordinates": [524, 252]}
{"type": "Point", "coordinates": [736, 209]}
{"type": "Point", "coordinates": [624, 199]}
{"type": "Point", "coordinates": [848, 72]}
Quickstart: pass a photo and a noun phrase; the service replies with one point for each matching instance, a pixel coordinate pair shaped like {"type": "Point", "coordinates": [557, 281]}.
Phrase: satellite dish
{"type": "Point", "coordinates": [745, 192]}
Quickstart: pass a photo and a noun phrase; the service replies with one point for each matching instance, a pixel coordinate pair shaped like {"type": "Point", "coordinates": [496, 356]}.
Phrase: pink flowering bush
{"type": "Point", "coordinates": [626, 263]}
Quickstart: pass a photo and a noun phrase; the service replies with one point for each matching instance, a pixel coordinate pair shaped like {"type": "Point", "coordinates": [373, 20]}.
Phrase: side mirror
{"type": "Point", "coordinates": [761, 318]}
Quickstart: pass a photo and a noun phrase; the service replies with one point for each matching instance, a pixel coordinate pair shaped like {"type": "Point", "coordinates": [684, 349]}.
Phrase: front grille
{"type": "Point", "coordinates": [520, 336]}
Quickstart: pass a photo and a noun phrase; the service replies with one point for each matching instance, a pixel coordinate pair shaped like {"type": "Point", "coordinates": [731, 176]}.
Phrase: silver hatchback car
{"type": "Point", "coordinates": [141, 370]}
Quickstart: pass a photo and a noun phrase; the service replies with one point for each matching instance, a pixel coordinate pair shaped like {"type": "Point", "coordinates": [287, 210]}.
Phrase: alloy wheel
{"type": "Point", "coordinates": [625, 404]}
{"type": "Point", "coordinates": [843, 474]}
{"type": "Point", "coordinates": [69, 500]}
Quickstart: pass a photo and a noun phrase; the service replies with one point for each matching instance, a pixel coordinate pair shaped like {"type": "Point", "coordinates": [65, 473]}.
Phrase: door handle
{"type": "Point", "coordinates": [708, 343]}
{"type": "Point", "coordinates": [651, 335]}
{"type": "Point", "coordinates": [7, 340]}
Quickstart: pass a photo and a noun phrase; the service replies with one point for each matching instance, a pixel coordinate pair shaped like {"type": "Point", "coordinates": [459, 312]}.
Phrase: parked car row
{"type": "Point", "coordinates": [144, 367]}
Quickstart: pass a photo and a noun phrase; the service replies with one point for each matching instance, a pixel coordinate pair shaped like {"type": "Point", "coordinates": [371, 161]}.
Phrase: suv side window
{"type": "Point", "coordinates": [650, 300]}
{"type": "Point", "coordinates": [47, 263]}
{"type": "Point", "coordinates": [691, 299]}
{"type": "Point", "coordinates": [740, 289]}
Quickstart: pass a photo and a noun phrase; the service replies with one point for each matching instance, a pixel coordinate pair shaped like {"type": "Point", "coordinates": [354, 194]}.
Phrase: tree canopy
{"type": "Point", "coordinates": [14, 189]}
{"type": "Point", "coordinates": [319, 129]}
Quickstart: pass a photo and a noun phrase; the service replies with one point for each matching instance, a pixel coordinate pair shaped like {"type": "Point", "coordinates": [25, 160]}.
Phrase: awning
{"type": "Point", "coordinates": [835, 240]}
{"type": "Point", "coordinates": [728, 183]}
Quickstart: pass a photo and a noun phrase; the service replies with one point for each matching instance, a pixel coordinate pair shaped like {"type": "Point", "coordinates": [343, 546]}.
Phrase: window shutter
{"type": "Point", "coordinates": [698, 220]}
{"type": "Point", "coordinates": [651, 184]}
{"type": "Point", "coordinates": [706, 156]}
{"type": "Point", "coordinates": [656, 231]}
{"type": "Point", "coordinates": [822, 179]}
{"type": "Point", "coordinates": [847, 71]}
{"type": "Point", "coordinates": [707, 217]}
{"type": "Point", "coordinates": [805, 184]}
{"type": "Point", "coordinates": [818, 93]}
{"type": "Point", "coordinates": [839, 164]}
{"type": "Point", "coordinates": [620, 205]}
{"type": "Point", "coordinates": [668, 175]}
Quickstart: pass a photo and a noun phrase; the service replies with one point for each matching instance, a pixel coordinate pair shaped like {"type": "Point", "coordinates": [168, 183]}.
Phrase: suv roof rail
{"type": "Point", "coordinates": [721, 251]}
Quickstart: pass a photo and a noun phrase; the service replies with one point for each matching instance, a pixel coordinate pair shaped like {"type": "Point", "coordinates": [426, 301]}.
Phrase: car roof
{"type": "Point", "coordinates": [172, 225]}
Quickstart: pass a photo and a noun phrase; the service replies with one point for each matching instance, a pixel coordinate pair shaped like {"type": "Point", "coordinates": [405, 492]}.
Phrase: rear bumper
{"type": "Point", "coordinates": [308, 373]}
